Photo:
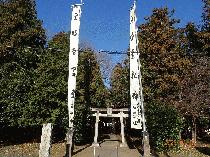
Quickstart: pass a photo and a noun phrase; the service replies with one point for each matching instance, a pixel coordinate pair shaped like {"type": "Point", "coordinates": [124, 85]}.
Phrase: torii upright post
{"type": "Point", "coordinates": [136, 90]}
{"type": "Point", "coordinates": [73, 62]}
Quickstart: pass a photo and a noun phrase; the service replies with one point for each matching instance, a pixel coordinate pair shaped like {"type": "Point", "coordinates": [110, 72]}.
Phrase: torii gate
{"type": "Point", "coordinates": [103, 112]}
{"type": "Point", "coordinates": [136, 91]}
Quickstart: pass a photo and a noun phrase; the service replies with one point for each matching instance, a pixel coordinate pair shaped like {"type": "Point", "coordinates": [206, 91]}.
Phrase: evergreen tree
{"type": "Point", "coordinates": [194, 102]}
{"type": "Point", "coordinates": [22, 40]}
{"type": "Point", "coordinates": [20, 27]}
{"type": "Point", "coordinates": [49, 96]}
{"type": "Point", "coordinates": [120, 95]}
{"type": "Point", "coordinates": [194, 43]}
{"type": "Point", "coordinates": [162, 50]}
{"type": "Point", "coordinates": [205, 31]}
{"type": "Point", "coordinates": [50, 90]}
{"type": "Point", "coordinates": [91, 92]}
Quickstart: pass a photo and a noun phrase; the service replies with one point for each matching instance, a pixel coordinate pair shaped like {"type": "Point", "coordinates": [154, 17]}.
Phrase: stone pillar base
{"type": "Point", "coordinates": [123, 145]}
{"type": "Point", "coordinates": [146, 145]}
{"type": "Point", "coordinates": [69, 143]}
{"type": "Point", "coordinates": [95, 145]}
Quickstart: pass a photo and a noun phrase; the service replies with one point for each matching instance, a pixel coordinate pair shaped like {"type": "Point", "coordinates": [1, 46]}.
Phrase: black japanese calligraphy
{"type": "Point", "coordinates": [74, 71]}
{"type": "Point", "coordinates": [134, 123]}
{"type": "Point", "coordinates": [73, 94]}
{"type": "Point", "coordinates": [75, 16]}
{"type": "Point", "coordinates": [134, 75]}
{"type": "Point", "coordinates": [135, 95]}
{"type": "Point", "coordinates": [74, 51]}
{"type": "Point", "coordinates": [133, 18]}
{"type": "Point", "coordinates": [132, 36]}
{"type": "Point", "coordinates": [132, 54]}
{"type": "Point", "coordinates": [74, 33]}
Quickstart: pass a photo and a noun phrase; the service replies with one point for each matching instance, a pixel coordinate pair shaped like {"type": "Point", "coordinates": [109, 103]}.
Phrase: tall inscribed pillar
{"type": "Point", "coordinates": [73, 60]}
{"type": "Point", "coordinates": [136, 103]}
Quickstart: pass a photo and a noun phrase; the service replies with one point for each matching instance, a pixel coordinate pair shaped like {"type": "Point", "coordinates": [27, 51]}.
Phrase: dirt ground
{"type": "Point", "coordinates": [58, 150]}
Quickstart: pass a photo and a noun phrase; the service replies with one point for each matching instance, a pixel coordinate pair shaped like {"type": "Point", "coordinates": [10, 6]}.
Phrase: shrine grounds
{"type": "Point", "coordinates": [108, 149]}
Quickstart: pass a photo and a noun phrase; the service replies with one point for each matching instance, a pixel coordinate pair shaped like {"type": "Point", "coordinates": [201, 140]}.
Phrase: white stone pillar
{"type": "Point", "coordinates": [45, 144]}
{"type": "Point", "coordinates": [123, 144]}
{"type": "Point", "coordinates": [95, 143]}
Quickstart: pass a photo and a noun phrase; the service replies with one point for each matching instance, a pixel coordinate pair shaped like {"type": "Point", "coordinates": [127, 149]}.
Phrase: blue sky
{"type": "Point", "coordinates": [105, 23]}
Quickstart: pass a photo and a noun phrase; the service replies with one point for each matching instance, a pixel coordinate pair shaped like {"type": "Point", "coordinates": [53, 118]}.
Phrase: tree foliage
{"type": "Point", "coordinates": [164, 125]}
{"type": "Point", "coordinates": [33, 76]}
{"type": "Point", "coordinates": [120, 95]}
{"type": "Point", "coordinates": [50, 90]}
{"type": "Point", "coordinates": [195, 84]}
{"type": "Point", "coordinates": [162, 56]}
{"type": "Point", "coordinates": [22, 39]}
{"type": "Point", "coordinates": [20, 27]}
{"type": "Point", "coordinates": [91, 92]}
{"type": "Point", "coordinates": [205, 31]}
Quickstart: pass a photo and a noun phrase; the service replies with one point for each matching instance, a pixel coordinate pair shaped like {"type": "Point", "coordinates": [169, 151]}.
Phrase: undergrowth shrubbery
{"type": "Point", "coordinates": [164, 125]}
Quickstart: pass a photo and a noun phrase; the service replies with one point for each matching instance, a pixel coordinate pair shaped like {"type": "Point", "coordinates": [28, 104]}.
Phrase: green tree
{"type": "Point", "coordinates": [20, 27]}
{"type": "Point", "coordinates": [205, 31]}
{"type": "Point", "coordinates": [164, 126]}
{"type": "Point", "coordinates": [49, 102]}
{"type": "Point", "coordinates": [194, 97]}
{"type": "Point", "coordinates": [22, 40]}
{"type": "Point", "coordinates": [120, 95]}
{"type": "Point", "coordinates": [162, 50]}
{"type": "Point", "coordinates": [49, 95]}
{"type": "Point", "coordinates": [194, 43]}
{"type": "Point", "coordinates": [91, 92]}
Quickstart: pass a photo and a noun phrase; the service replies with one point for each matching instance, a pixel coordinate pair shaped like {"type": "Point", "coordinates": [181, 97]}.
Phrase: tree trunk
{"type": "Point", "coordinates": [194, 131]}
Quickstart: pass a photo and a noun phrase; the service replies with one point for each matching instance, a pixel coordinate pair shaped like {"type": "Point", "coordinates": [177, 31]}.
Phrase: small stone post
{"type": "Point", "coordinates": [123, 144]}
{"type": "Point", "coordinates": [95, 144]}
{"type": "Point", "coordinates": [146, 146]}
{"type": "Point", "coordinates": [45, 144]}
{"type": "Point", "coordinates": [69, 143]}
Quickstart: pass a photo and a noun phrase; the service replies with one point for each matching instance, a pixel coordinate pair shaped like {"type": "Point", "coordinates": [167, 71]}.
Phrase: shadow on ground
{"type": "Point", "coordinates": [205, 139]}
{"type": "Point", "coordinates": [204, 150]}
{"type": "Point", "coordinates": [15, 136]}
{"type": "Point", "coordinates": [79, 150]}
{"type": "Point", "coordinates": [137, 144]}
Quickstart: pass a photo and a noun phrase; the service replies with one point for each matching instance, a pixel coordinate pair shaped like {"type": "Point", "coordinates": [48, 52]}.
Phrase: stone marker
{"type": "Point", "coordinates": [45, 144]}
{"type": "Point", "coordinates": [146, 145]}
{"type": "Point", "coordinates": [69, 142]}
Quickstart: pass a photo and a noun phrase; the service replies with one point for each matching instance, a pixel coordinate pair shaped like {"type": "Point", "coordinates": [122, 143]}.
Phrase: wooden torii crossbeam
{"type": "Point", "coordinates": [109, 112]}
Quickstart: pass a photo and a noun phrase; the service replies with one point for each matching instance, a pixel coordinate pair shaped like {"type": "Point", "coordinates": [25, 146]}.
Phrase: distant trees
{"type": "Point", "coordinates": [205, 28]}
{"type": "Point", "coordinates": [91, 92]}
{"type": "Point", "coordinates": [119, 92]}
{"type": "Point", "coordinates": [194, 102]}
